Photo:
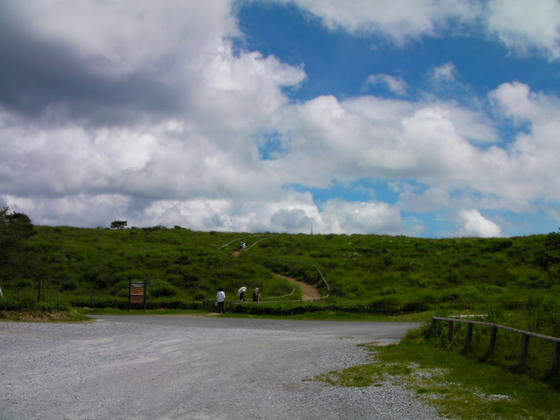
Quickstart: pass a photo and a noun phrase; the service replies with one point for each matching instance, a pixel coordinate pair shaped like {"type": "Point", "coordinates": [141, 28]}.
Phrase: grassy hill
{"type": "Point", "coordinates": [372, 273]}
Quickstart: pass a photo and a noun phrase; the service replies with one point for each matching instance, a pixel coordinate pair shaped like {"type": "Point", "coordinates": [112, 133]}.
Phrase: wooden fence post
{"type": "Point", "coordinates": [450, 331]}
{"type": "Point", "coordinates": [468, 339]}
{"type": "Point", "coordinates": [492, 342]}
{"type": "Point", "coordinates": [555, 368]}
{"type": "Point", "coordinates": [524, 350]}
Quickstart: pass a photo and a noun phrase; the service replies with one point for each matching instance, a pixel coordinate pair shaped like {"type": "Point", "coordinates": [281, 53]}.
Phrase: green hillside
{"type": "Point", "coordinates": [373, 273]}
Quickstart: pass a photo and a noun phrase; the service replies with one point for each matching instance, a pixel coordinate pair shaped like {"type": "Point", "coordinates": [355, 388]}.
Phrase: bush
{"type": "Point", "coordinates": [162, 289]}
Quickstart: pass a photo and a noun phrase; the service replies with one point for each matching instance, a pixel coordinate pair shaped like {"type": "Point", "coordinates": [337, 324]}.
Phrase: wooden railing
{"type": "Point", "coordinates": [493, 335]}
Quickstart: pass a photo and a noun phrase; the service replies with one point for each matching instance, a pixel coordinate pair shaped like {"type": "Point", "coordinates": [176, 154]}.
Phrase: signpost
{"type": "Point", "coordinates": [137, 293]}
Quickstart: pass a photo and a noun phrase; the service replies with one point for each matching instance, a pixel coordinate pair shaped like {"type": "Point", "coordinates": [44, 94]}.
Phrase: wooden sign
{"type": "Point", "coordinates": [137, 293]}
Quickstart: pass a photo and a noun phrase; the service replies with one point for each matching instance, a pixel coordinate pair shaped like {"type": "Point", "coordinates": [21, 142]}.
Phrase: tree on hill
{"type": "Point", "coordinates": [15, 228]}
{"type": "Point", "coordinates": [118, 224]}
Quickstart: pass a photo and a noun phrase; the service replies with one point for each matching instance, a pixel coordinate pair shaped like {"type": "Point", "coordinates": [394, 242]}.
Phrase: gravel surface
{"type": "Point", "coordinates": [178, 367]}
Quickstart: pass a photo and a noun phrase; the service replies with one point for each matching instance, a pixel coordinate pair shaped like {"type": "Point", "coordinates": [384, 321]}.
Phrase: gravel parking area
{"type": "Point", "coordinates": [178, 367]}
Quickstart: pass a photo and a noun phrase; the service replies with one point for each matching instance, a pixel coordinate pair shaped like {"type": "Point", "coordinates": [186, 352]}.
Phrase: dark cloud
{"type": "Point", "coordinates": [38, 73]}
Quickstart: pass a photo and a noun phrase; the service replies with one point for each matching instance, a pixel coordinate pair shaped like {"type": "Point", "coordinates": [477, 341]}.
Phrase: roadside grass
{"type": "Point", "coordinates": [43, 316]}
{"type": "Point", "coordinates": [351, 316]}
{"type": "Point", "coordinates": [116, 311]}
{"type": "Point", "coordinates": [458, 386]}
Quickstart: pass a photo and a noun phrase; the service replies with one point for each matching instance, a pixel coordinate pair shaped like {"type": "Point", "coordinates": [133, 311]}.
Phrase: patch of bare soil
{"type": "Point", "coordinates": [308, 291]}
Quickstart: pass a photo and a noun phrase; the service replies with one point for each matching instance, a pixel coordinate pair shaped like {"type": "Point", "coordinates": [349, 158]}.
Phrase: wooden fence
{"type": "Point", "coordinates": [493, 335]}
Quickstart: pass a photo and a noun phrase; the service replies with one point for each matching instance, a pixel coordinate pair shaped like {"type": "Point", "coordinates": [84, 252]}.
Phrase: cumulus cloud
{"type": "Point", "coordinates": [395, 84]}
{"type": "Point", "coordinates": [525, 26]}
{"type": "Point", "coordinates": [400, 20]}
{"type": "Point", "coordinates": [82, 210]}
{"type": "Point", "coordinates": [521, 25]}
{"type": "Point", "coordinates": [472, 223]}
{"type": "Point", "coordinates": [152, 116]}
{"type": "Point", "coordinates": [363, 217]}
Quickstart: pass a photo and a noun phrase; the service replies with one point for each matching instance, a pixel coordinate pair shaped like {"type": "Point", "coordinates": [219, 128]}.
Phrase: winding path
{"type": "Point", "coordinates": [309, 292]}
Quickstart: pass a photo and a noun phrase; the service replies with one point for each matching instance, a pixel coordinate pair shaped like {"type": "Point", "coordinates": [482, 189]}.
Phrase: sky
{"type": "Point", "coordinates": [425, 118]}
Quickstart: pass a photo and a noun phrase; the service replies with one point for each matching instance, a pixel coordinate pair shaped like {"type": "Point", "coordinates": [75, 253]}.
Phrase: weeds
{"type": "Point", "coordinates": [458, 386]}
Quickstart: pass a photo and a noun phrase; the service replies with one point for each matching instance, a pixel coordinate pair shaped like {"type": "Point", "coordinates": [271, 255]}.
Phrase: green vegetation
{"type": "Point", "coordinates": [457, 385]}
{"type": "Point", "coordinates": [365, 273]}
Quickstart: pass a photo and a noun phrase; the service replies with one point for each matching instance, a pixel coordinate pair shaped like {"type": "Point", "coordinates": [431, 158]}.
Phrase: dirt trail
{"type": "Point", "coordinates": [308, 291]}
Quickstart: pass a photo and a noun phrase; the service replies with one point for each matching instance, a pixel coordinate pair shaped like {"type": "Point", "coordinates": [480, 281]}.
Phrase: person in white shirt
{"type": "Point", "coordinates": [221, 298]}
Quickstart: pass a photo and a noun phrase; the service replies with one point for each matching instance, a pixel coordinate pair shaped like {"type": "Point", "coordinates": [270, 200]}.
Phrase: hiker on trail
{"type": "Point", "coordinates": [221, 298]}
{"type": "Point", "coordinates": [256, 295]}
{"type": "Point", "coordinates": [243, 245]}
{"type": "Point", "coordinates": [242, 292]}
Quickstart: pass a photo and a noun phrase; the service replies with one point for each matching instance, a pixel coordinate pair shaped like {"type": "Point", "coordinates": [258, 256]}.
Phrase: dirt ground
{"type": "Point", "coordinates": [308, 291]}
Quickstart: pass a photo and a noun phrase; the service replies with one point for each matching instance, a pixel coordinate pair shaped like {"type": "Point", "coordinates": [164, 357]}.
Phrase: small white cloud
{"type": "Point", "coordinates": [395, 84]}
{"type": "Point", "coordinates": [517, 101]}
{"type": "Point", "coordinates": [446, 73]}
{"type": "Point", "coordinates": [475, 224]}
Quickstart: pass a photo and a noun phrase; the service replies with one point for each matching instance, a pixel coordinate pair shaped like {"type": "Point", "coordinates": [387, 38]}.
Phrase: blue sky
{"type": "Point", "coordinates": [426, 118]}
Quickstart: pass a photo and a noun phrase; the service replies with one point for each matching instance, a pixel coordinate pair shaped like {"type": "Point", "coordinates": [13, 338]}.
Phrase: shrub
{"type": "Point", "coordinates": [387, 291]}
{"type": "Point", "coordinates": [162, 289]}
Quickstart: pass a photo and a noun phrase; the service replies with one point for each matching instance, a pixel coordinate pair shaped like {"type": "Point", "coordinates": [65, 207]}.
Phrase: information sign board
{"type": "Point", "coordinates": [137, 292]}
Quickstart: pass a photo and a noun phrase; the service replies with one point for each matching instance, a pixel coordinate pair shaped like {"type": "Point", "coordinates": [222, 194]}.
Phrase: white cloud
{"type": "Point", "coordinates": [446, 73]}
{"type": "Point", "coordinates": [520, 24]}
{"type": "Point", "coordinates": [474, 224]}
{"type": "Point", "coordinates": [374, 137]}
{"type": "Point", "coordinates": [80, 210]}
{"type": "Point", "coordinates": [517, 101]}
{"type": "Point", "coordinates": [401, 20]}
{"type": "Point", "coordinates": [198, 165]}
{"type": "Point", "coordinates": [525, 25]}
{"type": "Point", "coordinates": [395, 84]}
{"type": "Point", "coordinates": [360, 217]}
{"type": "Point", "coordinates": [122, 37]}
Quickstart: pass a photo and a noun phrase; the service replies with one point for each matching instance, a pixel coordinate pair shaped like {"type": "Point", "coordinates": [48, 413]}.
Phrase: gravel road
{"type": "Point", "coordinates": [179, 367]}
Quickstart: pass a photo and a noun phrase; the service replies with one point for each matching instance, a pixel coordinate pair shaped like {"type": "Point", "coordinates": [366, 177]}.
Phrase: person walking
{"type": "Point", "coordinates": [256, 295]}
{"type": "Point", "coordinates": [221, 298]}
{"type": "Point", "coordinates": [242, 292]}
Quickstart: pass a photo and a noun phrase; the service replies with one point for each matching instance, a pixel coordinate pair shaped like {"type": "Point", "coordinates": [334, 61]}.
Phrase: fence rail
{"type": "Point", "coordinates": [555, 368]}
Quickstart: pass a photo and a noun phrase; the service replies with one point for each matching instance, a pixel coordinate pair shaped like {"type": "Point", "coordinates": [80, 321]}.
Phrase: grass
{"type": "Point", "coordinates": [43, 316]}
{"type": "Point", "coordinates": [365, 273]}
{"type": "Point", "coordinates": [114, 311]}
{"type": "Point", "coordinates": [352, 316]}
{"type": "Point", "coordinates": [458, 386]}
